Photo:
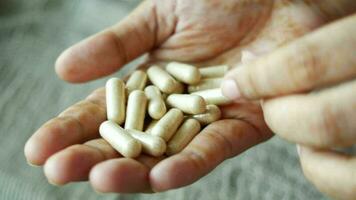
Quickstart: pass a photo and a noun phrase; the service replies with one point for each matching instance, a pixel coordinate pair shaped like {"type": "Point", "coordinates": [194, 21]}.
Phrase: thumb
{"type": "Point", "coordinates": [311, 62]}
{"type": "Point", "coordinates": [107, 51]}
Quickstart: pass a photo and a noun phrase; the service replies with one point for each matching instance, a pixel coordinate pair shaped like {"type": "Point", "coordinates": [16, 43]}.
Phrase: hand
{"type": "Point", "coordinates": [308, 89]}
{"type": "Point", "coordinates": [202, 32]}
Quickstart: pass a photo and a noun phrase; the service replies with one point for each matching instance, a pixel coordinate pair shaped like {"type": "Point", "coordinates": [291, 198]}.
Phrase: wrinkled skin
{"type": "Point", "coordinates": [205, 33]}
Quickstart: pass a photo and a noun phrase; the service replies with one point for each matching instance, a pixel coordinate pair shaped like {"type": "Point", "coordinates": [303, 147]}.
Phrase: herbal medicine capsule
{"type": "Point", "coordinates": [183, 72]}
{"type": "Point", "coordinates": [156, 106]}
{"type": "Point", "coordinates": [191, 104]}
{"type": "Point", "coordinates": [115, 100]}
{"type": "Point", "coordinates": [205, 84]}
{"type": "Point", "coordinates": [120, 140]}
{"type": "Point", "coordinates": [136, 110]}
{"type": "Point", "coordinates": [137, 81]}
{"type": "Point", "coordinates": [151, 145]}
{"type": "Point", "coordinates": [212, 114]}
{"type": "Point", "coordinates": [213, 96]}
{"type": "Point", "coordinates": [160, 78]}
{"type": "Point", "coordinates": [168, 124]}
{"type": "Point", "coordinates": [186, 132]}
{"type": "Point", "coordinates": [150, 126]}
{"type": "Point", "coordinates": [214, 71]}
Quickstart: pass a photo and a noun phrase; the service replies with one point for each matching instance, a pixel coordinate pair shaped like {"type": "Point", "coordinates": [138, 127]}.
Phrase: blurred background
{"type": "Point", "coordinates": [32, 35]}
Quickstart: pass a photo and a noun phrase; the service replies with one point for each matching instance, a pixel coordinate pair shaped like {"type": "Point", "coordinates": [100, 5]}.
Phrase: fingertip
{"type": "Point", "coordinates": [71, 164]}
{"type": "Point", "coordinates": [34, 154]}
{"type": "Point", "coordinates": [90, 59]}
{"type": "Point", "coordinates": [52, 170]}
{"type": "Point", "coordinates": [172, 173]}
{"type": "Point", "coordinates": [230, 89]}
{"type": "Point", "coordinates": [119, 175]}
{"type": "Point", "coordinates": [63, 67]}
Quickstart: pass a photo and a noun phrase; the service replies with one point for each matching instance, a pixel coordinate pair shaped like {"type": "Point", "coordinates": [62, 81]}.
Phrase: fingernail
{"type": "Point", "coordinates": [230, 89]}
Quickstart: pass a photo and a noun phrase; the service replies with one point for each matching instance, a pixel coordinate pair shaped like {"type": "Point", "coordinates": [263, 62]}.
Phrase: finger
{"type": "Point", "coordinates": [332, 173]}
{"type": "Point", "coordinates": [331, 10]}
{"type": "Point", "coordinates": [74, 163]}
{"type": "Point", "coordinates": [323, 119]}
{"type": "Point", "coordinates": [123, 175]}
{"type": "Point", "coordinates": [310, 62]}
{"type": "Point", "coordinates": [217, 142]}
{"type": "Point", "coordinates": [107, 51]}
{"type": "Point", "coordinates": [77, 124]}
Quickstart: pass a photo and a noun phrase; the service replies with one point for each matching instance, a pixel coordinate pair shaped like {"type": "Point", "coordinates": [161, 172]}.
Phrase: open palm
{"type": "Point", "coordinates": [205, 33]}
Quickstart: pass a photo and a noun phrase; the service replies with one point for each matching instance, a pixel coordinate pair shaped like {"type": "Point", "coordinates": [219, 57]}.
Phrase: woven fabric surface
{"type": "Point", "coordinates": [32, 34]}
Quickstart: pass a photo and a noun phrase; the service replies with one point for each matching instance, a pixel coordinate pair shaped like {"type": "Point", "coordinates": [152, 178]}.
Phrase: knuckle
{"type": "Point", "coordinates": [327, 127]}
{"type": "Point", "coordinates": [308, 69]}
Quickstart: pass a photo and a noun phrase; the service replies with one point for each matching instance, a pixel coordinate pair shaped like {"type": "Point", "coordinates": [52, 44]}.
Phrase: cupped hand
{"type": "Point", "coordinates": [308, 88]}
{"type": "Point", "coordinates": [201, 32]}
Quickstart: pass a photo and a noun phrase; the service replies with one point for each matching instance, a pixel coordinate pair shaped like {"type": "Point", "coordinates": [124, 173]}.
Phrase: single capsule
{"type": "Point", "coordinates": [183, 72]}
{"type": "Point", "coordinates": [214, 71]}
{"type": "Point", "coordinates": [120, 140]}
{"type": "Point", "coordinates": [191, 104]}
{"type": "Point", "coordinates": [186, 132]}
{"type": "Point", "coordinates": [156, 106]}
{"type": "Point", "coordinates": [205, 84]}
{"type": "Point", "coordinates": [150, 126]}
{"type": "Point", "coordinates": [115, 100]}
{"type": "Point", "coordinates": [151, 145]}
{"type": "Point", "coordinates": [160, 78]}
{"type": "Point", "coordinates": [212, 114]}
{"type": "Point", "coordinates": [213, 96]}
{"type": "Point", "coordinates": [137, 81]}
{"type": "Point", "coordinates": [168, 124]}
{"type": "Point", "coordinates": [136, 110]}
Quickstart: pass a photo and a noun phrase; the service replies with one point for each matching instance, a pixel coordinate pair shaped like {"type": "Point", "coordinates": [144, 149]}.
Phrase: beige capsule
{"type": "Point", "coordinates": [213, 96]}
{"type": "Point", "coordinates": [151, 145]}
{"type": "Point", "coordinates": [160, 78]}
{"type": "Point", "coordinates": [136, 110]}
{"type": "Point", "coordinates": [168, 124]}
{"type": "Point", "coordinates": [115, 100]}
{"type": "Point", "coordinates": [150, 126]}
{"type": "Point", "coordinates": [212, 114]}
{"type": "Point", "coordinates": [186, 132]}
{"type": "Point", "coordinates": [214, 71]}
{"type": "Point", "coordinates": [188, 103]}
{"type": "Point", "coordinates": [156, 106]}
{"type": "Point", "coordinates": [120, 140]}
{"type": "Point", "coordinates": [137, 81]}
{"type": "Point", "coordinates": [205, 84]}
{"type": "Point", "coordinates": [183, 72]}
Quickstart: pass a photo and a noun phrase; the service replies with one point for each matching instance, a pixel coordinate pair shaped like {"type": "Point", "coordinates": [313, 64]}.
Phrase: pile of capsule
{"type": "Point", "coordinates": [161, 118]}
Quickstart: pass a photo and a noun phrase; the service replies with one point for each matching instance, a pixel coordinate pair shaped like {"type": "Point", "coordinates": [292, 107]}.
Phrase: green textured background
{"type": "Point", "coordinates": [32, 34]}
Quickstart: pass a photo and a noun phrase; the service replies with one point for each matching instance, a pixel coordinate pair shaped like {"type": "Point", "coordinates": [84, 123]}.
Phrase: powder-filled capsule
{"type": "Point", "coordinates": [120, 140]}
{"type": "Point", "coordinates": [151, 145]}
{"type": "Point", "coordinates": [214, 71]}
{"type": "Point", "coordinates": [137, 81]}
{"type": "Point", "coordinates": [136, 110]}
{"type": "Point", "coordinates": [183, 72]}
{"type": "Point", "coordinates": [186, 132]}
{"type": "Point", "coordinates": [156, 106]}
{"type": "Point", "coordinates": [115, 100]}
{"type": "Point", "coordinates": [205, 84]}
{"type": "Point", "coordinates": [212, 114]}
{"type": "Point", "coordinates": [168, 124]}
{"type": "Point", "coordinates": [191, 104]}
{"type": "Point", "coordinates": [213, 96]}
{"type": "Point", "coordinates": [160, 78]}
